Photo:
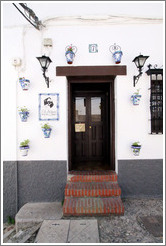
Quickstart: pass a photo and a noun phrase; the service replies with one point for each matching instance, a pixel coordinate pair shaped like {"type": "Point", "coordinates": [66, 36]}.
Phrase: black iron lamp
{"type": "Point", "coordinates": [45, 62]}
{"type": "Point", "coordinates": [139, 62]}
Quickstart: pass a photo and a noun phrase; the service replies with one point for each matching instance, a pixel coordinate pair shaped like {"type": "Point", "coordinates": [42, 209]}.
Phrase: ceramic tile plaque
{"type": "Point", "coordinates": [48, 106]}
{"type": "Point", "coordinates": [93, 48]}
{"type": "Point", "coordinates": [80, 127]}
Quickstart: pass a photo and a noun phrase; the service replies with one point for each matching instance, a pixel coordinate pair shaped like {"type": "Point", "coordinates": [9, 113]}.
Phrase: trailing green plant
{"type": "Point", "coordinates": [62, 201]}
{"type": "Point", "coordinates": [24, 143]}
{"type": "Point", "coordinates": [10, 220]}
{"type": "Point", "coordinates": [23, 109]}
{"type": "Point", "coordinates": [137, 92]}
{"type": "Point", "coordinates": [46, 126]}
{"type": "Point", "coordinates": [136, 144]}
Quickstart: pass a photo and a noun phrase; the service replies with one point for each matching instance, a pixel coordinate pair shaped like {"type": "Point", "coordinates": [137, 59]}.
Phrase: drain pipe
{"type": "Point", "coordinates": [16, 187]}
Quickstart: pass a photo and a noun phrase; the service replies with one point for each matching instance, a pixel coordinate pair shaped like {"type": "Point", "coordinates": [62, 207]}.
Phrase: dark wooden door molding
{"type": "Point", "coordinates": [109, 81]}
{"type": "Point", "coordinates": [90, 71]}
{"type": "Point", "coordinates": [94, 75]}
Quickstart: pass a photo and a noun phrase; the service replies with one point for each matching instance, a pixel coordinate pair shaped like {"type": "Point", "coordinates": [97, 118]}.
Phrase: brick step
{"type": "Point", "coordinates": [92, 206]}
{"type": "Point", "coordinates": [92, 189]}
{"type": "Point", "coordinates": [89, 176]}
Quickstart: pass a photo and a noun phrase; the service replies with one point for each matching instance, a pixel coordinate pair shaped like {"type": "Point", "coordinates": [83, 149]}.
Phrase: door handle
{"type": "Point", "coordinates": [90, 127]}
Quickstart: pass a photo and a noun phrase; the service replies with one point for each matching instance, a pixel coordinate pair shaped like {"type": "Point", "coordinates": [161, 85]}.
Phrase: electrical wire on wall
{"type": "Point", "coordinates": [30, 16]}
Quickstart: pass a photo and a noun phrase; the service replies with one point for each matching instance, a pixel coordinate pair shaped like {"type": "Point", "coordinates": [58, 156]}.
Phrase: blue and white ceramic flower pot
{"type": "Point", "coordinates": [135, 99]}
{"type": "Point", "coordinates": [136, 149]}
{"type": "Point", "coordinates": [69, 56]}
{"type": "Point", "coordinates": [24, 116]}
{"type": "Point", "coordinates": [24, 150]}
{"type": "Point", "coordinates": [25, 83]}
{"type": "Point", "coordinates": [117, 55]}
{"type": "Point", "coordinates": [46, 132]}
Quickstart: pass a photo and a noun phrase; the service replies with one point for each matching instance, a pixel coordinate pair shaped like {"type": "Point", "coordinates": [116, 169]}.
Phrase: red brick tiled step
{"type": "Point", "coordinates": [92, 189]}
{"type": "Point", "coordinates": [88, 176]}
{"type": "Point", "coordinates": [92, 206]}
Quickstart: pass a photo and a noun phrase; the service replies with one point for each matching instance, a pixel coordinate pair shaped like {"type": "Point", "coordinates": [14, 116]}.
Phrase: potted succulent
{"type": "Point", "coordinates": [24, 146]}
{"type": "Point", "coordinates": [24, 113]}
{"type": "Point", "coordinates": [46, 128]}
{"type": "Point", "coordinates": [24, 83]}
{"type": "Point", "coordinates": [70, 53]}
{"type": "Point", "coordinates": [136, 148]}
{"type": "Point", "coordinates": [135, 98]}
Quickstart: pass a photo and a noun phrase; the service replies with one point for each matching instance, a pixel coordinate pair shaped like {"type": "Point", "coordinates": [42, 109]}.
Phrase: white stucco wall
{"type": "Point", "coordinates": [132, 122]}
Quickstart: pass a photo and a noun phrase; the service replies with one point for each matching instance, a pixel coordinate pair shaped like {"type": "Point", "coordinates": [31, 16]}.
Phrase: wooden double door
{"type": "Point", "coordinates": [90, 126]}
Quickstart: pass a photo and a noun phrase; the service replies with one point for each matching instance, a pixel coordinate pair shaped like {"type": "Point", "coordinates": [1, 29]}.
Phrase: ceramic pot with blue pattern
{"type": "Point", "coordinates": [70, 53]}
{"type": "Point", "coordinates": [136, 99]}
{"type": "Point", "coordinates": [136, 149]}
{"type": "Point", "coordinates": [117, 55]}
{"type": "Point", "coordinates": [46, 132]}
{"type": "Point", "coordinates": [24, 116]}
{"type": "Point", "coordinates": [24, 150]}
{"type": "Point", "coordinates": [25, 83]}
{"type": "Point", "coordinates": [69, 56]}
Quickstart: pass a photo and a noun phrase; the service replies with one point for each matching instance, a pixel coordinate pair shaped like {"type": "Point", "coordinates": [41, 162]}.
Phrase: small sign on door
{"type": "Point", "coordinates": [80, 127]}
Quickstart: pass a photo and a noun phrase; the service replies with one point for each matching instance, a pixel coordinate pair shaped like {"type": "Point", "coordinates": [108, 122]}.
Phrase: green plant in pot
{"type": "Point", "coordinates": [24, 147]}
{"type": "Point", "coordinates": [24, 113]}
{"type": "Point", "coordinates": [136, 148]}
{"type": "Point", "coordinates": [46, 128]}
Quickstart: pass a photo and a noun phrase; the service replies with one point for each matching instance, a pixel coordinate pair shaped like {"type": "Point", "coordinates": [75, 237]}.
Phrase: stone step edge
{"type": "Point", "coordinates": [112, 206]}
{"type": "Point", "coordinates": [90, 178]}
{"type": "Point", "coordinates": [92, 190]}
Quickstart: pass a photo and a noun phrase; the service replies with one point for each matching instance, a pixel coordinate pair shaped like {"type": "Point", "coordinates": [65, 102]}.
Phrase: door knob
{"type": "Point", "coordinates": [90, 127]}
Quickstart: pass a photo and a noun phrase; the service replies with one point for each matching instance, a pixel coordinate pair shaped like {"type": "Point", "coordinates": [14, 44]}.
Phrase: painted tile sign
{"type": "Point", "coordinates": [93, 48]}
{"type": "Point", "coordinates": [48, 106]}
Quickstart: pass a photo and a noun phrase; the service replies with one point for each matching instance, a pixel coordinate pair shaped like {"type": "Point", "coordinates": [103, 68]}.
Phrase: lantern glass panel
{"type": "Point", "coordinates": [47, 62]}
{"type": "Point", "coordinates": [137, 63]}
{"type": "Point", "coordinates": [142, 61]}
{"type": "Point", "coordinates": [43, 62]}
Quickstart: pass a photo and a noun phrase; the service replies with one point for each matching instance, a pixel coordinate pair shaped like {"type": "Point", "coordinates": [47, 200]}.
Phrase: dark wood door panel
{"type": "Point", "coordinates": [90, 144]}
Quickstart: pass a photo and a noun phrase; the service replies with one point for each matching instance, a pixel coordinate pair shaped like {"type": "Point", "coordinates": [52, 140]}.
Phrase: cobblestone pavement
{"type": "Point", "coordinates": [127, 228]}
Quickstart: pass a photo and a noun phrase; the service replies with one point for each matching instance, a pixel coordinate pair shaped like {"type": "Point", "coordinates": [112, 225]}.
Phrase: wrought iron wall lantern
{"type": "Point", "coordinates": [139, 62]}
{"type": "Point", "coordinates": [45, 62]}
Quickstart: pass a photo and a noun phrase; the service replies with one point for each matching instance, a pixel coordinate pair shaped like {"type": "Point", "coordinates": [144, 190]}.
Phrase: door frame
{"type": "Point", "coordinates": [93, 79]}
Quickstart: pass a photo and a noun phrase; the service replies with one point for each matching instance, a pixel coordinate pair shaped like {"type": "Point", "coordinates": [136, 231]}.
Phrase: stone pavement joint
{"type": "Point", "coordinates": [68, 231]}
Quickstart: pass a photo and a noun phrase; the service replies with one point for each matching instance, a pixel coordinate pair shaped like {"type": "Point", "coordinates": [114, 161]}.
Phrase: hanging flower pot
{"type": "Point", "coordinates": [70, 53]}
{"type": "Point", "coordinates": [116, 53]}
{"type": "Point", "coordinates": [24, 147]}
{"type": "Point", "coordinates": [136, 148]}
{"type": "Point", "coordinates": [24, 113]}
{"type": "Point", "coordinates": [46, 128]}
{"type": "Point", "coordinates": [25, 83]}
{"type": "Point", "coordinates": [135, 98]}
{"type": "Point", "coordinates": [117, 56]}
